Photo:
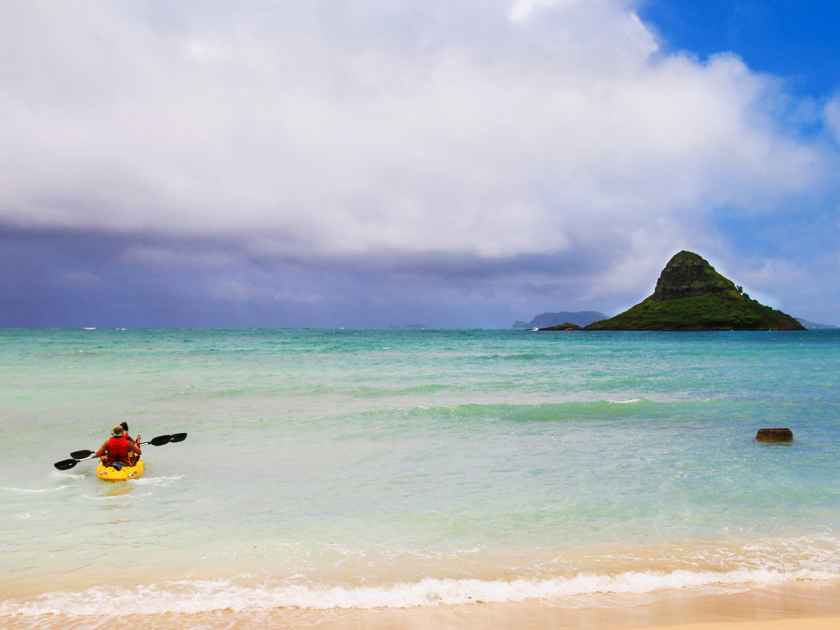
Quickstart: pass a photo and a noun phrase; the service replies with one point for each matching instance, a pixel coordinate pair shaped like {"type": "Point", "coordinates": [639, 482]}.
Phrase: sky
{"type": "Point", "coordinates": [376, 164]}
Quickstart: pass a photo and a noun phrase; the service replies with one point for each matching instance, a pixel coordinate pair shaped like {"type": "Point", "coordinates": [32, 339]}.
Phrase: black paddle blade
{"type": "Point", "coordinates": [160, 440]}
{"type": "Point", "coordinates": [66, 464]}
{"type": "Point", "coordinates": [178, 437]}
{"type": "Point", "coordinates": [81, 454]}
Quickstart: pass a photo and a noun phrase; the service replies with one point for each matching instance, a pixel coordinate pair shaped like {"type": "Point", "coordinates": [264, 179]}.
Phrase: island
{"type": "Point", "coordinates": [691, 295]}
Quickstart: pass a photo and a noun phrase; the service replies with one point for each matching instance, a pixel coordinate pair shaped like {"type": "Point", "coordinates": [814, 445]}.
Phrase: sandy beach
{"type": "Point", "coordinates": [787, 624]}
{"type": "Point", "coordinates": [804, 606]}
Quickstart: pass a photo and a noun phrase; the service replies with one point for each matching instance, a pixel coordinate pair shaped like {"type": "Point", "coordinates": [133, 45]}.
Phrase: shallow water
{"type": "Point", "coordinates": [402, 468]}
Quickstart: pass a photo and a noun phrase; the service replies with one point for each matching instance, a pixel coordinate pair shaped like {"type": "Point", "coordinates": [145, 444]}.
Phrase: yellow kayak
{"type": "Point", "coordinates": [107, 473]}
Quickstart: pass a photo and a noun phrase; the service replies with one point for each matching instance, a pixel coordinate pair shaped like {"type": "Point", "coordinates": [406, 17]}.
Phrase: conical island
{"type": "Point", "coordinates": [691, 295]}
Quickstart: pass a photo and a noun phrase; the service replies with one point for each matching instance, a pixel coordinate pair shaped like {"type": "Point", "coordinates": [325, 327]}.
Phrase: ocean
{"type": "Point", "coordinates": [350, 469]}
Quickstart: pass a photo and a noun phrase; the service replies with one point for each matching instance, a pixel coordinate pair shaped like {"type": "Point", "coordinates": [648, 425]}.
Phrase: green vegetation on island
{"type": "Point", "coordinates": [691, 295]}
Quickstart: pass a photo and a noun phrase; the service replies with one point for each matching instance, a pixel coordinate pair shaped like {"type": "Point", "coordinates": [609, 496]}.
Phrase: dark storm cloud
{"type": "Point", "coordinates": [72, 277]}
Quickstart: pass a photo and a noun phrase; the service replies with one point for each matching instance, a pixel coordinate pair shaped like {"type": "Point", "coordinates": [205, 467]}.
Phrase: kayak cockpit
{"type": "Point", "coordinates": [124, 473]}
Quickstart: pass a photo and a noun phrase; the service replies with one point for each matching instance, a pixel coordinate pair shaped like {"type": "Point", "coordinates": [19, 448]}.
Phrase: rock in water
{"type": "Point", "coordinates": [774, 435]}
{"type": "Point", "coordinates": [691, 295]}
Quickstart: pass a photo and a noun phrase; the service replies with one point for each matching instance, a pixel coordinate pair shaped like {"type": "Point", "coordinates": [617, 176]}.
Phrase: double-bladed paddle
{"type": "Point", "coordinates": [160, 440]}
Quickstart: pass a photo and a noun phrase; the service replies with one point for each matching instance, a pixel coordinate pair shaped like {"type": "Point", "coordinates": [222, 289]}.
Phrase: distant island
{"type": "Point", "coordinates": [544, 320]}
{"type": "Point", "coordinates": [691, 295]}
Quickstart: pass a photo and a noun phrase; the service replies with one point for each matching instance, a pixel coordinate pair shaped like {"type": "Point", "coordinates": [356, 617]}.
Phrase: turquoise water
{"type": "Point", "coordinates": [378, 468]}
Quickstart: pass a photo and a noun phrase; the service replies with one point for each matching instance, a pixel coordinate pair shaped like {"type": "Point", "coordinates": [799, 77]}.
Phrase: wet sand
{"type": "Point", "coordinates": [827, 623]}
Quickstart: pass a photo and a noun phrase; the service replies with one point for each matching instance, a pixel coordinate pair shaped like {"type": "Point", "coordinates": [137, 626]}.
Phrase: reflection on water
{"type": "Point", "coordinates": [119, 488]}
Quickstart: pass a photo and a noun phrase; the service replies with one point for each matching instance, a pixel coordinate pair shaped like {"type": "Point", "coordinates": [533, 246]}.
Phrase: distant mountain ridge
{"type": "Point", "coordinates": [543, 320]}
{"type": "Point", "coordinates": [691, 295]}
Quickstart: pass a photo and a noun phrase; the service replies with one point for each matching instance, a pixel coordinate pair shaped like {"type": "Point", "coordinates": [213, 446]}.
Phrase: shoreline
{"type": "Point", "coordinates": [799, 605]}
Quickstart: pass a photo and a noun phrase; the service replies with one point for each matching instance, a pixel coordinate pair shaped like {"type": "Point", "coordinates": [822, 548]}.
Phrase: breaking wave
{"type": "Point", "coordinates": [188, 597]}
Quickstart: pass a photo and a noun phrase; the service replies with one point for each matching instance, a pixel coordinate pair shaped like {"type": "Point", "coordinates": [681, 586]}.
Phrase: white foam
{"type": "Point", "coordinates": [157, 481]}
{"type": "Point", "coordinates": [116, 497]}
{"type": "Point", "coordinates": [629, 401]}
{"type": "Point", "coordinates": [57, 474]}
{"type": "Point", "coordinates": [208, 595]}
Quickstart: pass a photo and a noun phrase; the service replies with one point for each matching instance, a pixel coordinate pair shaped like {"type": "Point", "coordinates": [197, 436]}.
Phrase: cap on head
{"type": "Point", "coordinates": [117, 431]}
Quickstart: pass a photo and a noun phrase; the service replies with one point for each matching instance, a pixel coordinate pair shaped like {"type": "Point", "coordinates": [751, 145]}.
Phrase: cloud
{"type": "Point", "coordinates": [832, 117]}
{"type": "Point", "coordinates": [522, 10]}
{"type": "Point", "coordinates": [374, 132]}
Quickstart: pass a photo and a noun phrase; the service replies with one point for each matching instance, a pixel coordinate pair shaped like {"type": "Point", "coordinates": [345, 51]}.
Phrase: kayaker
{"type": "Point", "coordinates": [133, 456]}
{"type": "Point", "coordinates": [136, 440]}
{"type": "Point", "coordinates": [118, 449]}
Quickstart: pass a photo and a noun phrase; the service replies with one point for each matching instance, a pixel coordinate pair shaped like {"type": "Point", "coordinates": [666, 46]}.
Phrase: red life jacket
{"type": "Point", "coordinates": [118, 448]}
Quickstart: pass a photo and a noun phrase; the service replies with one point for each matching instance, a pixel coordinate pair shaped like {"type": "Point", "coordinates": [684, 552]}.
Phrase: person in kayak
{"type": "Point", "coordinates": [118, 449]}
{"type": "Point", "coordinates": [133, 457]}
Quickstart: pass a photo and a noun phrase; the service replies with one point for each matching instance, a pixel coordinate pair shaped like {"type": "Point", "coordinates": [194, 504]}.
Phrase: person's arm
{"type": "Point", "coordinates": [102, 450]}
